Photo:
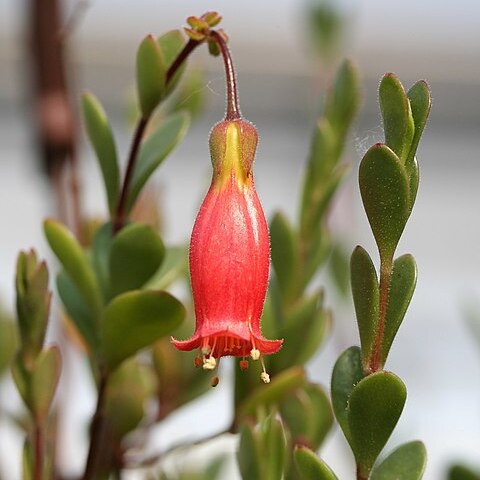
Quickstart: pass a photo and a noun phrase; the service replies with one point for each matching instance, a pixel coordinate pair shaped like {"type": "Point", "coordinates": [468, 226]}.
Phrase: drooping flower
{"type": "Point", "coordinates": [229, 255]}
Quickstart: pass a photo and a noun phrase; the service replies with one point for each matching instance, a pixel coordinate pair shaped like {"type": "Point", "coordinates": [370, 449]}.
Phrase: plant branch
{"type": "Point", "coordinates": [374, 363]}
{"type": "Point", "coordinates": [233, 110]}
{"type": "Point", "coordinates": [96, 432]}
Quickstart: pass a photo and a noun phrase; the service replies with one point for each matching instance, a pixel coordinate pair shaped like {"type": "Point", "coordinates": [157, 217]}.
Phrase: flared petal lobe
{"type": "Point", "coordinates": [230, 252]}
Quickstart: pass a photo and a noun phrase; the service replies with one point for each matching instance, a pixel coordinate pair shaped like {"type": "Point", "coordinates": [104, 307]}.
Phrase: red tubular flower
{"type": "Point", "coordinates": [229, 255]}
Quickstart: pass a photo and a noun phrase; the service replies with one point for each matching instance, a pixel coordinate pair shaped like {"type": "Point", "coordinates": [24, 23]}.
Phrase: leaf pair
{"type": "Point", "coordinates": [366, 297]}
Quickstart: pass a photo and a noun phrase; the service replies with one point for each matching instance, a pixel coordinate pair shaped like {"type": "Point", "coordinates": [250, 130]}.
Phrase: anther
{"type": "Point", "coordinates": [265, 377]}
{"type": "Point", "coordinates": [206, 349]}
{"type": "Point", "coordinates": [209, 363]}
{"type": "Point", "coordinates": [255, 354]}
{"type": "Point", "coordinates": [244, 364]}
{"type": "Point", "coordinates": [198, 361]}
{"type": "Point", "coordinates": [214, 381]}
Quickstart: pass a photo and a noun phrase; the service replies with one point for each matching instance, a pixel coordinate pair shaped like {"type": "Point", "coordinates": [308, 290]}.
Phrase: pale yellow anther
{"type": "Point", "coordinates": [209, 363]}
{"type": "Point", "coordinates": [206, 349]}
{"type": "Point", "coordinates": [265, 377]}
{"type": "Point", "coordinates": [255, 354]}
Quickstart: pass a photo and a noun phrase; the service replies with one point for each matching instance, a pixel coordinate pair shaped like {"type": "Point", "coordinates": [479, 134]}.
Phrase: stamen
{"type": "Point", "coordinates": [264, 375]}
{"type": "Point", "coordinates": [214, 381]}
{"type": "Point", "coordinates": [206, 349]}
{"type": "Point", "coordinates": [198, 361]}
{"type": "Point", "coordinates": [255, 354]}
{"type": "Point", "coordinates": [209, 363]}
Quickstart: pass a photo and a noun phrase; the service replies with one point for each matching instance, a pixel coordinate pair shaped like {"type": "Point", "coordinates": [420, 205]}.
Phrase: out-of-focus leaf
{"type": "Point", "coordinates": [274, 445]}
{"type": "Point", "coordinates": [101, 137]}
{"type": "Point", "coordinates": [127, 392]}
{"type": "Point", "coordinates": [266, 395]}
{"type": "Point", "coordinates": [347, 372]}
{"type": "Point", "coordinates": [171, 44]}
{"type": "Point", "coordinates": [402, 286]}
{"type": "Point", "coordinates": [407, 462]}
{"type": "Point", "coordinates": [135, 320]}
{"type": "Point", "coordinates": [365, 297]}
{"type": "Point", "coordinates": [385, 195]}
{"type": "Point", "coordinates": [27, 460]}
{"type": "Point", "coordinates": [285, 258]}
{"type": "Point", "coordinates": [462, 472]}
{"type": "Point", "coordinates": [174, 266]}
{"type": "Point", "coordinates": [310, 467]}
{"type": "Point", "coordinates": [374, 407]}
{"type": "Point", "coordinates": [78, 310]}
{"type": "Point", "coordinates": [75, 262]}
{"type": "Point", "coordinates": [190, 95]}
{"type": "Point", "coordinates": [100, 254]}
{"type": "Point", "coordinates": [151, 71]}
{"type": "Point", "coordinates": [397, 116]}
{"type": "Point", "coordinates": [8, 342]}
{"type": "Point", "coordinates": [340, 268]}
{"type": "Point", "coordinates": [155, 149]}
{"type": "Point", "coordinates": [249, 455]}
{"type": "Point", "coordinates": [44, 380]}
{"type": "Point", "coordinates": [136, 253]}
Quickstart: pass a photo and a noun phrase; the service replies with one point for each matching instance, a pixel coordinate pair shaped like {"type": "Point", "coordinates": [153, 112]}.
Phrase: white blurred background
{"type": "Point", "coordinates": [280, 81]}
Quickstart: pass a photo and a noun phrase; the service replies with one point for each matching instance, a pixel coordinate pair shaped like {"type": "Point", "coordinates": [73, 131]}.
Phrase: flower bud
{"type": "Point", "coordinates": [230, 254]}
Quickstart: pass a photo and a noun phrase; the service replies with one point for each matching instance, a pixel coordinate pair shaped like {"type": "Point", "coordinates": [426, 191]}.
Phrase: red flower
{"type": "Point", "coordinates": [229, 255]}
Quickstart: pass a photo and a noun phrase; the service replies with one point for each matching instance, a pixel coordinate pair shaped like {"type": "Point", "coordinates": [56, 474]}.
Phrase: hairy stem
{"type": "Point", "coordinates": [375, 362]}
{"type": "Point", "coordinates": [96, 432]}
{"type": "Point", "coordinates": [233, 110]}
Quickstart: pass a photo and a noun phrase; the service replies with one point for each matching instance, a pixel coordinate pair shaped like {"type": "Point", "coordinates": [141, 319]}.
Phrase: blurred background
{"type": "Point", "coordinates": [283, 72]}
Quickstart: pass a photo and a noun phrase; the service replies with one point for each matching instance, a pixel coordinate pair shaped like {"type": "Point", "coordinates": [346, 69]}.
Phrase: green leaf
{"type": "Point", "coordinates": [44, 380]}
{"type": "Point", "coordinates": [310, 467]}
{"type": "Point", "coordinates": [366, 297]}
{"type": "Point", "coordinates": [346, 374]}
{"type": "Point", "coordinates": [135, 320]}
{"type": "Point", "coordinates": [136, 253]}
{"type": "Point", "coordinates": [75, 262]}
{"type": "Point", "coordinates": [407, 462]}
{"type": "Point", "coordinates": [420, 103]}
{"type": "Point", "coordinates": [284, 255]}
{"type": "Point", "coordinates": [343, 101]}
{"type": "Point", "coordinates": [322, 415]}
{"type": "Point", "coordinates": [402, 286]}
{"type": "Point", "coordinates": [174, 266]}
{"type": "Point", "coordinates": [171, 44]}
{"type": "Point", "coordinates": [462, 472]}
{"type": "Point", "coordinates": [8, 342]}
{"type": "Point", "coordinates": [385, 195]}
{"type": "Point", "coordinates": [249, 455]}
{"type": "Point", "coordinates": [413, 183]}
{"type": "Point", "coordinates": [191, 94]}
{"type": "Point", "coordinates": [127, 393]}
{"type": "Point", "coordinates": [397, 116]}
{"type": "Point", "coordinates": [154, 150]}
{"type": "Point", "coordinates": [100, 254]}
{"type": "Point", "coordinates": [270, 394]}
{"type": "Point", "coordinates": [78, 311]}
{"type": "Point", "coordinates": [374, 407]}
{"type": "Point", "coordinates": [101, 137]}
{"type": "Point", "coordinates": [151, 71]}
{"type": "Point", "coordinates": [274, 443]}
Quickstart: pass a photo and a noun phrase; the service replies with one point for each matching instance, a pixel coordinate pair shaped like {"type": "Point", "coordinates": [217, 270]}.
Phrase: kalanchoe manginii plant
{"type": "Point", "coordinates": [368, 400]}
{"type": "Point", "coordinates": [230, 247]}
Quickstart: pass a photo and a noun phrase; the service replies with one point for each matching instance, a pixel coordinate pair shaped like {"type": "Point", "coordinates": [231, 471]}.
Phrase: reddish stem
{"type": "Point", "coordinates": [233, 110]}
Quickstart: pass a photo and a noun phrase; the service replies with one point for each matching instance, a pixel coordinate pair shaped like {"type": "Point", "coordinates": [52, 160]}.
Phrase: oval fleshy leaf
{"type": "Point", "coordinates": [99, 254]}
{"type": "Point", "coordinates": [402, 286]}
{"type": "Point", "coordinates": [310, 467]}
{"type": "Point", "coordinates": [385, 195]}
{"type": "Point", "coordinates": [136, 253]}
{"type": "Point", "coordinates": [135, 320]}
{"type": "Point", "coordinates": [420, 103]}
{"type": "Point", "coordinates": [151, 70]}
{"type": "Point", "coordinates": [101, 137]}
{"type": "Point", "coordinates": [347, 372]}
{"type": "Point", "coordinates": [374, 407]}
{"type": "Point", "coordinates": [462, 472]}
{"type": "Point", "coordinates": [75, 262]}
{"type": "Point", "coordinates": [366, 296]}
{"type": "Point", "coordinates": [155, 149]}
{"type": "Point", "coordinates": [284, 253]}
{"type": "Point", "coordinates": [397, 116]}
{"type": "Point", "coordinates": [274, 443]}
{"type": "Point", "coordinates": [407, 462]}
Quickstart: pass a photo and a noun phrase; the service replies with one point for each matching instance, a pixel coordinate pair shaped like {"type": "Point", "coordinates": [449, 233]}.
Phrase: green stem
{"type": "Point", "coordinates": [360, 475]}
{"type": "Point", "coordinates": [375, 362]}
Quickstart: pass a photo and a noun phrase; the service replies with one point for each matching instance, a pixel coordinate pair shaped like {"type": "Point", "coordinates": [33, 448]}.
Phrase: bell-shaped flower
{"type": "Point", "coordinates": [229, 256]}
